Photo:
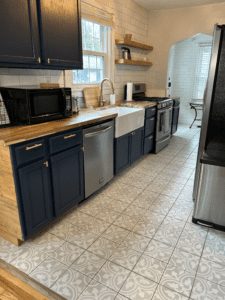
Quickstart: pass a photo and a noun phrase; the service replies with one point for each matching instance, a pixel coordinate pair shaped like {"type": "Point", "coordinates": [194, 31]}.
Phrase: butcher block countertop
{"type": "Point", "coordinates": [138, 104]}
{"type": "Point", "coordinates": [14, 135]}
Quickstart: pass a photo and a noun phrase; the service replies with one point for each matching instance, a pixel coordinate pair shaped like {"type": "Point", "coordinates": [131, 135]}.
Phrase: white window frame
{"type": "Point", "coordinates": [108, 60]}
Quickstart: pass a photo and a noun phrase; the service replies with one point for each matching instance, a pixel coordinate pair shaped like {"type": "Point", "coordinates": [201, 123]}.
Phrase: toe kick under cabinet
{"type": "Point", "coordinates": [48, 181]}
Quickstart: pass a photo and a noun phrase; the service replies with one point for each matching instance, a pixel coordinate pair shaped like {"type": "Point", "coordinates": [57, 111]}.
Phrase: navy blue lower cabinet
{"type": "Point", "coordinates": [149, 126]}
{"type": "Point", "coordinates": [148, 144]}
{"type": "Point", "coordinates": [122, 152]}
{"type": "Point", "coordinates": [175, 119]}
{"type": "Point", "coordinates": [137, 144]}
{"type": "Point", "coordinates": [36, 196]}
{"type": "Point", "coordinates": [68, 179]}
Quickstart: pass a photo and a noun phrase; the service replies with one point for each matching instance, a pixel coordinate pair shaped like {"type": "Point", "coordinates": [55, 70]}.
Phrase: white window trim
{"type": "Point", "coordinates": [109, 65]}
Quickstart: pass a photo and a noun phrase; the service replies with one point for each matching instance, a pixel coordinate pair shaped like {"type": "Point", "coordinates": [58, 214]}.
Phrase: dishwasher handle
{"type": "Point", "coordinates": [97, 132]}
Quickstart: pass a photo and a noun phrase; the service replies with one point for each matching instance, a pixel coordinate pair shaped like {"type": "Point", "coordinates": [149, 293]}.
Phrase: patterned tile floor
{"type": "Point", "coordinates": [134, 239]}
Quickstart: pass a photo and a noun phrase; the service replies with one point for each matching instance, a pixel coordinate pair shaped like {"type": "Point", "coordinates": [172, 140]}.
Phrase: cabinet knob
{"type": "Point", "coordinates": [46, 163]}
{"type": "Point", "coordinates": [48, 60]}
{"type": "Point", "coordinates": [39, 60]}
{"type": "Point", "coordinates": [152, 119]}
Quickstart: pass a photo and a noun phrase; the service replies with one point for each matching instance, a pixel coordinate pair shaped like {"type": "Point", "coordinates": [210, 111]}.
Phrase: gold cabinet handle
{"type": "Point", "coordinates": [69, 136]}
{"type": "Point", "coordinates": [48, 60]}
{"type": "Point", "coordinates": [46, 163]}
{"type": "Point", "coordinates": [153, 109]}
{"type": "Point", "coordinates": [152, 119]}
{"type": "Point", "coordinates": [35, 146]}
{"type": "Point", "coordinates": [151, 137]}
{"type": "Point", "coordinates": [39, 60]}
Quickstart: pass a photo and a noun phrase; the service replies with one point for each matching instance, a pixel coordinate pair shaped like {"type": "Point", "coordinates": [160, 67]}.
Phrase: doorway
{"type": "Point", "coordinates": [188, 72]}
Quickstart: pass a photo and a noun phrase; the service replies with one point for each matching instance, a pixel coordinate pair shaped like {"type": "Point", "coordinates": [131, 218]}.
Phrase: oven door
{"type": "Point", "coordinates": [163, 126]}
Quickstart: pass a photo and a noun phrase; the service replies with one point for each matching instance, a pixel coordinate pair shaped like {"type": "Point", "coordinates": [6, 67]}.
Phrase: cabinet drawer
{"type": "Point", "coordinates": [65, 141]}
{"type": "Point", "coordinates": [149, 126]}
{"type": "Point", "coordinates": [149, 112]}
{"type": "Point", "coordinates": [30, 151]}
{"type": "Point", "coordinates": [148, 144]}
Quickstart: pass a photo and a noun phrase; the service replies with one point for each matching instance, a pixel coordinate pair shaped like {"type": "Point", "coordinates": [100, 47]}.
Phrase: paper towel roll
{"type": "Point", "coordinates": [129, 91]}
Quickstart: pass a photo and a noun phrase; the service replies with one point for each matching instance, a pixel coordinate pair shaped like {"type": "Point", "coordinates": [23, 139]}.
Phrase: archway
{"type": "Point", "coordinates": [187, 73]}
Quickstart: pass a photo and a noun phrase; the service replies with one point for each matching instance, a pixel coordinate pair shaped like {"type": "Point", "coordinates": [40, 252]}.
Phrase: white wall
{"type": "Point", "coordinates": [182, 66]}
{"type": "Point", "coordinates": [167, 27]}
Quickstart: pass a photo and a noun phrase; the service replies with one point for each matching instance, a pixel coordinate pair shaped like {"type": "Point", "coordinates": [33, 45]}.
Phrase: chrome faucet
{"type": "Point", "coordinates": [102, 102]}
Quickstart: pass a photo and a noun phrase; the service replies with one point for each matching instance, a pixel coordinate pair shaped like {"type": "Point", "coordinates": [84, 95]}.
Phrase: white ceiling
{"type": "Point", "coordinates": [170, 4]}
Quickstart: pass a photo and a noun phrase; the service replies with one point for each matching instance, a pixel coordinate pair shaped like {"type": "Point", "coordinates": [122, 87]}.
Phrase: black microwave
{"type": "Point", "coordinates": [32, 106]}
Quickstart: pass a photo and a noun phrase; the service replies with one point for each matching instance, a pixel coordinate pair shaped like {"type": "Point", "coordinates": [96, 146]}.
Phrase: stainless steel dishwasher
{"type": "Point", "coordinates": [98, 156]}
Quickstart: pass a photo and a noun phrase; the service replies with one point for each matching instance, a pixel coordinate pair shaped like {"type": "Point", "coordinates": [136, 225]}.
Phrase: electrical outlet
{"type": "Point", "coordinates": [47, 79]}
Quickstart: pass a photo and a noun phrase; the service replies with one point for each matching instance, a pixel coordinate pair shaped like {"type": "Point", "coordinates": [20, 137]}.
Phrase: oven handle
{"type": "Point", "coordinates": [164, 110]}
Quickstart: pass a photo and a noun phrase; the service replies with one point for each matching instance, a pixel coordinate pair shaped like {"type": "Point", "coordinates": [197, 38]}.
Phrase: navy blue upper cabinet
{"type": "Point", "coordinates": [19, 36]}
{"type": "Point", "coordinates": [67, 176]}
{"type": "Point", "coordinates": [36, 196]}
{"type": "Point", "coordinates": [137, 144]}
{"type": "Point", "coordinates": [43, 34]}
{"type": "Point", "coordinates": [60, 33]}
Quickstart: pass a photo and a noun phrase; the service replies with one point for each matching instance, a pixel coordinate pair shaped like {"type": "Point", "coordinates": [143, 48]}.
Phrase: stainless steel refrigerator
{"type": "Point", "coordinates": [209, 187]}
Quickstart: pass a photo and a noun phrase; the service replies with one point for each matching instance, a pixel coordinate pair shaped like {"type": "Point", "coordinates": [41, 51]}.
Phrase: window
{"type": "Point", "coordinates": [95, 39]}
{"type": "Point", "coordinates": [202, 70]}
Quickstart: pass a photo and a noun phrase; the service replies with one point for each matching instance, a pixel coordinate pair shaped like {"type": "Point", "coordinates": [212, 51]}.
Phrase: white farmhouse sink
{"type": "Point", "coordinates": [128, 119]}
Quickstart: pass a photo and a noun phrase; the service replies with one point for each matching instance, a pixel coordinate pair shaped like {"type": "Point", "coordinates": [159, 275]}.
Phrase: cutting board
{"type": "Point", "coordinates": [92, 96]}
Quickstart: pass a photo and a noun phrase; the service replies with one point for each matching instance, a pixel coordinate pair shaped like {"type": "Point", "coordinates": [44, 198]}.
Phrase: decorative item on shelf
{"type": "Point", "coordinates": [126, 53]}
{"type": "Point", "coordinates": [128, 37]}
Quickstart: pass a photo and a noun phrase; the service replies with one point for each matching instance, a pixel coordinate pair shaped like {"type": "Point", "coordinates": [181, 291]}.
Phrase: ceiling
{"type": "Point", "coordinates": [170, 4]}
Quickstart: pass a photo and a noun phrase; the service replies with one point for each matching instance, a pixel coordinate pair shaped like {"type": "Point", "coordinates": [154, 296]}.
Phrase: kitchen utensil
{"type": "Point", "coordinates": [92, 96]}
{"type": "Point", "coordinates": [75, 105]}
{"type": "Point", "coordinates": [126, 53]}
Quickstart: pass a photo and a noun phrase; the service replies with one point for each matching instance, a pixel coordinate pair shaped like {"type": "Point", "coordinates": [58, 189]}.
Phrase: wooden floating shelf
{"type": "Point", "coordinates": [133, 62]}
{"type": "Point", "coordinates": [133, 44]}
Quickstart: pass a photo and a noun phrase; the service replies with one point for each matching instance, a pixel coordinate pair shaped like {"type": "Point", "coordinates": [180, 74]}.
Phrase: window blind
{"type": "Point", "coordinates": [202, 70]}
{"type": "Point", "coordinates": [97, 15]}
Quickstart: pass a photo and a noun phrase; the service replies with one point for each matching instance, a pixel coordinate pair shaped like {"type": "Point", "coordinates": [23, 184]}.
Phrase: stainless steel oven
{"type": "Point", "coordinates": [163, 124]}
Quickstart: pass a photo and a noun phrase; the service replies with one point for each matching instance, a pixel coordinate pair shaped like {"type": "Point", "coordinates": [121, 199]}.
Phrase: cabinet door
{"type": "Point", "coordinates": [148, 144]}
{"type": "Point", "coordinates": [67, 176]}
{"type": "Point", "coordinates": [61, 37]}
{"type": "Point", "coordinates": [19, 32]}
{"type": "Point", "coordinates": [122, 152]}
{"type": "Point", "coordinates": [137, 144]}
{"type": "Point", "coordinates": [36, 196]}
{"type": "Point", "coordinates": [149, 126]}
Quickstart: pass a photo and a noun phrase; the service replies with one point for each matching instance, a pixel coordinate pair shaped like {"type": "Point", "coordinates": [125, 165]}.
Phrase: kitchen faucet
{"type": "Point", "coordinates": [102, 102]}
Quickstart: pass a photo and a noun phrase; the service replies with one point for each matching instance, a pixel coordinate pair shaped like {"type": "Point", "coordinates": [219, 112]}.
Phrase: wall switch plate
{"type": "Point", "coordinates": [47, 79]}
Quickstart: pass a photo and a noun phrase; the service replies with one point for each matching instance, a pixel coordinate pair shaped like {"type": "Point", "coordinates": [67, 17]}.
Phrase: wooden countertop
{"type": "Point", "coordinates": [14, 135]}
{"type": "Point", "coordinates": [138, 104]}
